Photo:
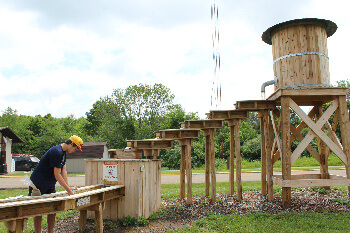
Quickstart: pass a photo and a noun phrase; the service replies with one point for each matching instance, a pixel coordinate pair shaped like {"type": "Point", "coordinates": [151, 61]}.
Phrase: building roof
{"type": "Point", "coordinates": [6, 131]}
{"type": "Point", "coordinates": [90, 150]}
{"type": "Point", "coordinates": [95, 144]}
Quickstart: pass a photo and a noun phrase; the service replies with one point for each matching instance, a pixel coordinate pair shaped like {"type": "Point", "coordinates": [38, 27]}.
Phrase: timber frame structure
{"type": "Point", "coordinates": [15, 212]}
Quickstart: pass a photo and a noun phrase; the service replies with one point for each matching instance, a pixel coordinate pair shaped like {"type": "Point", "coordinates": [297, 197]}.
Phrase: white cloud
{"type": "Point", "coordinates": [52, 53]}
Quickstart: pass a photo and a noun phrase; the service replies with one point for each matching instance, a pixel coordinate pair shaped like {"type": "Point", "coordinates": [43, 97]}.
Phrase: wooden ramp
{"type": "Point", "coordinates": [15, 212]}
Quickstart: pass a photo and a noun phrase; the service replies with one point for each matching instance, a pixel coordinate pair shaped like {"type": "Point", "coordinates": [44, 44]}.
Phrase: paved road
{"type": "Point", "coordinates": [15, 182]}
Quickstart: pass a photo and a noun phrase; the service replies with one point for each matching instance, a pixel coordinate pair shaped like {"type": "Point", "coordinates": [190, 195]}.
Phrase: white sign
{"type": "Point", "coordinates": [110, 172]}
{"type": "Point", "coordinates": [83, 201]}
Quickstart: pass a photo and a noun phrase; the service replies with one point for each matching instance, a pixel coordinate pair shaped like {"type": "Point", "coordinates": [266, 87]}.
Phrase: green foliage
{"type": "Point", "coordinates": [131, 221]}
{"type": "Point", "coordinates": [251, 149]}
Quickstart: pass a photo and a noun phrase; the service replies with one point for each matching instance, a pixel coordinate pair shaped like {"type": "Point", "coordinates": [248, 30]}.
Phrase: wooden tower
{"type": "Point", "coordinates": [301, 65]}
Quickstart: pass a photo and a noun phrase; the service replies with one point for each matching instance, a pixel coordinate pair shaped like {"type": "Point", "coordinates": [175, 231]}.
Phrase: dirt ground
{"type": "Point", "coordinates": [176, 214]}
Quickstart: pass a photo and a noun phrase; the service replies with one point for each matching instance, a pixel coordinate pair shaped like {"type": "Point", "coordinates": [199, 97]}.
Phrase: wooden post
{"type": "Point", "coordinates": [189, 170]}
{"type": "Point", "coordinates": [345, 134]}
{"type": "Point", "coordinates": [268, 144]}
{"type": "Point", "coordinates": [82, 220]}
{"type": "Point", "coordinates": [232, 158]}
{"type": "Point", "coordinates": [286, 151]}
{"type": "Point", "coordinates": [263, 154]}
{"type": "Point", "coordinates": [182, 168]}
{"type": "Point", "coordinates": [212, 164]}
{"type": "Point", "coordinates": [237, 122]}
{"type": "Point", "coordinates": [99, 219]}
{"type": "Point", "coordinates": [322, 149]}
{"type": "Point", "coordinates": [207, 167]}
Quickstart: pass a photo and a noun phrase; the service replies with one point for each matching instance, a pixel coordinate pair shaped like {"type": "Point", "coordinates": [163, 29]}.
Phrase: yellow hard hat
{"type": "Point", "coordinates": [77, 141]}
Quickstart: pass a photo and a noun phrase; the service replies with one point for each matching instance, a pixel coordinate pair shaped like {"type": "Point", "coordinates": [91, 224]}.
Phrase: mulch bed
{"type": "Point", "coordinates": [176, 213]}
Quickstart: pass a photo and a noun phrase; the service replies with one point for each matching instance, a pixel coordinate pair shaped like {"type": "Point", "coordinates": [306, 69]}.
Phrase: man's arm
{"type": "Point", "coordinates": [62, 180]}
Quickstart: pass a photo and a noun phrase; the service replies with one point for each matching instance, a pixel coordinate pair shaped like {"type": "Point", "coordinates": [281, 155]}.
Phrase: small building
{"type": "Point", "coordinates": [91, 150]}
{"type": "Point", "coordinates": [7, 138]}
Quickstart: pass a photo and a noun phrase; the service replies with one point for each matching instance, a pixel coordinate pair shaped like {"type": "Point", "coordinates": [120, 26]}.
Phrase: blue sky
{"type": "Point", "coordinates": [60, 57]}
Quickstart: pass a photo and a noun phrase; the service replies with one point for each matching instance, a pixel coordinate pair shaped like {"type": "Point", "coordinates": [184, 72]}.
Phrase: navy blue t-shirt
{"type": "Point", "coordinates": [43, 175]}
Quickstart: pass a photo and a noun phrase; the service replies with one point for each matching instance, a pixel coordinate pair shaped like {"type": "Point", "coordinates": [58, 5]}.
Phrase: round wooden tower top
{"type": "Point", "coordinates": [330, 27]}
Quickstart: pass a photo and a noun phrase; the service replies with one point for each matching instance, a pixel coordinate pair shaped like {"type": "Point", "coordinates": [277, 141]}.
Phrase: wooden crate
{"type": "Point", "coordinates": [141, 178]}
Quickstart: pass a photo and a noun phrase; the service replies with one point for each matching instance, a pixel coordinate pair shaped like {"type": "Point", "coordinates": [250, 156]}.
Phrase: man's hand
{"type": "Point", "coordinates": [74, 188]}
{"type": "Point", "coordinates": [70, 192]}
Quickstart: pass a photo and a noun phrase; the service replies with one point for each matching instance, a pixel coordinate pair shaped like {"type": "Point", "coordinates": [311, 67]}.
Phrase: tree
{"type": "Point", "coordinates": [146, 105]}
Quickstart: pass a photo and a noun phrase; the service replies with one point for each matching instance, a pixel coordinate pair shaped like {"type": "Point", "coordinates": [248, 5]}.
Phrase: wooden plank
{"type": "Point", "coordinates": [178, 133]}
{"type": "Point", "coordinates": [268, 145]}
{"type": "Point", "coordinates": [238, 160]}
{"type": "Point", "coordinates": [212, 165]}
{"type": "Point", "coordinates": [207, 163]}
{"type": "Point", "coordinates": [159, 182]}
{"type": "Point", "coordinates": [203, 124]}
{"type": "Point", "coordinates": [286, 150]}
{"type": "Point", "coordinates": [345, 128]}
{"type": "Point", "coordinates": [99, 220]}
{"type": "Point", "coordinates": [255, 105]}
{"type": "Point", "coordinates": [120, 208]}
{"type": "Point", "coordinates": [322, 150]}
{"type": "Point", "coordinates": [232, 161]}
{"type": "Point", "coordinates": [182, 169]}
{"type": "Point", "coordinates": [189, 171]}
{"type": "Point", "coordinates": [316, 129]}
{"type": "Point", "coordinates": [308, 138]}
{"type": "Point", "coordinates": [276, 132]}
{"type": "Point", "coordinates": [311, 182]}
{"type": "Point", "coordinates": [263, 155]}
{"type": "Point", "coordinates": [228, 114]}
{"type": "Point", "coordinates": [82, 220]}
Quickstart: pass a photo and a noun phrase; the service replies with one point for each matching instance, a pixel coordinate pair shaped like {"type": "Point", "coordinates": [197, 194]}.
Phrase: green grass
{"type": "Point", "coordinates": [284, 222]}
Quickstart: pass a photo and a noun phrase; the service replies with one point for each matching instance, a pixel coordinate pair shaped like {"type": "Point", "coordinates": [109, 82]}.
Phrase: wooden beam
{"type": "Point", "coordinates": [203, 124]}
{"type": "Point", "coordinates": [316, 130]}
{"type": "Point", "coordinates": [228, 114]}
{"type": "Point", "coordinates": [286, 150]}
{"type": "Point", "coordinates": [345, 134]}
{"type": "Point", "coordinates": [263, 154]}
{"type": "Point", "coordinates": [255, 105]}
{"type": "Point", "coordinates": [150, 143]}
{"type": "Point", "coordinates": [238, 160]}
{"type": "Point", "coordinates": [178, 133]}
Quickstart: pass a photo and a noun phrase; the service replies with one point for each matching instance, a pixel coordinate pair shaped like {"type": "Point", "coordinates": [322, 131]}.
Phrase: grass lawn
{"type": "Point", "coordinates": [284, 222]}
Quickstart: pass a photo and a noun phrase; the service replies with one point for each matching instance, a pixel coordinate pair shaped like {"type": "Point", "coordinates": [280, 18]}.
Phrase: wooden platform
{"type": "Point", "coordinates": [86, 198]}
{"type": "Point", "coordinates": [203, 124]}
{"type": "Point", "coordinates": [255, 105]}
{"type": "Point", "coordinates": [308, 96]}
{"type": "Point", "coordinates": [178, 133]}
{"type": "Point", "coordinates": [228, 114]}
{"type": "Point", "coordinates": [150, 143]}
{"type": "Point", "coordinates": [311, 180]}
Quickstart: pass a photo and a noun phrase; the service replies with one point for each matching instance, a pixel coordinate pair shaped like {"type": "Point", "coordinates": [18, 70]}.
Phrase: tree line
{"type": "Point", "coordinates": [136, 112]}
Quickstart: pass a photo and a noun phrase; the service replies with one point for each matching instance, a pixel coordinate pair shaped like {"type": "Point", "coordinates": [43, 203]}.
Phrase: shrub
{"type": "Point", "coordinates": [251, 149]}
